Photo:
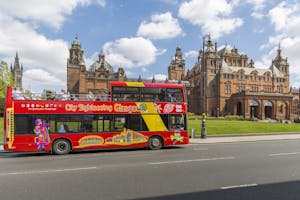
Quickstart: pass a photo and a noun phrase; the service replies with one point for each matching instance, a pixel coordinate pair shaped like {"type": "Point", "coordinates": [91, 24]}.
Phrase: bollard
{"type": "Point", "coordinates": [203, 129]}
{"type": "Point", "coordinates": [193, 133]}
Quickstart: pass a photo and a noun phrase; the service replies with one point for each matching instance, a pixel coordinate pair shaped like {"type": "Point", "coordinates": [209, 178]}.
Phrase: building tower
{"type": "Point", "coordinates": [75, 65]}
{"type": "Point", "coordinates": [282, 65]}
{"type": "Point", "coordinates": [17, 72]}
{"type": "Point", "coordinates": [210, 66]}
{"type": "Point", "coordinates": [82, 79]}
{"type": "Point", "coordinates": [176, 69]}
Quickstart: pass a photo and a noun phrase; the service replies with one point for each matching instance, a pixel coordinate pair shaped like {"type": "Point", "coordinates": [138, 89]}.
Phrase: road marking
{"type": "Point", "coordinates": [238, 186]}
{"type": "Point", "coordinates": [186, 161]}
{"type": "Point", "coordinates": [284, 154]}
{"type": "Point", "coordinates": [46, 171]}
{"type": "Point", "coordinates": [200, 149]}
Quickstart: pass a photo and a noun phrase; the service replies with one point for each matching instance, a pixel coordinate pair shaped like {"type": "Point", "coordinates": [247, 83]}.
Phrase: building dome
{"type": "Point", "coordinates": [101, 65]}
{"type": "Point", "coordinates": [76, 41]}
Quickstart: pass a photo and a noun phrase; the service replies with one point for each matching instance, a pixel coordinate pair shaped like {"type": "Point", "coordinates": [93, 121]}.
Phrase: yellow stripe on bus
{"type": "Point", "coordinates": [151, 116]}
{"type": "Point", "coordinates": [135, 84]}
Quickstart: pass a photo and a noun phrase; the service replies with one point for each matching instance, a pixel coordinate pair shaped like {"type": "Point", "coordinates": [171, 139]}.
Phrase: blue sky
{"type": "Point", "coordinates": [142, 35]}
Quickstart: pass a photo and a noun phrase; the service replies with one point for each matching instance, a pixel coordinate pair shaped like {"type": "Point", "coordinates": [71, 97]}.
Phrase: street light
{"type": "Point", "coordinates": [203, 70]}
{"type": "Point", "coordinates": [203, 127]}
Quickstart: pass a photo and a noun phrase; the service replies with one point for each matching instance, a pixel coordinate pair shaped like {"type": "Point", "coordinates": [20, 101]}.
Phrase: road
{"type": "Point", "coordinates": [247, 170]}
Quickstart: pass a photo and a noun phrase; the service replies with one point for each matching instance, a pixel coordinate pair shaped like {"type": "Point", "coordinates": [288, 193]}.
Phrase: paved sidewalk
{"type": "Point", "coordinates": [250, 138]}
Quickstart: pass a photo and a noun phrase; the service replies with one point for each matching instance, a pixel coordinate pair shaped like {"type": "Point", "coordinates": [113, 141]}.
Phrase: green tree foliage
{"type": "Point", "coordinates": [6, 78]}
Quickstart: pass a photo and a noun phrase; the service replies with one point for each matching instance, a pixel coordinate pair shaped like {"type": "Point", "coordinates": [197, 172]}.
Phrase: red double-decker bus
{"type": "Point", "coordinates": [63, 125]}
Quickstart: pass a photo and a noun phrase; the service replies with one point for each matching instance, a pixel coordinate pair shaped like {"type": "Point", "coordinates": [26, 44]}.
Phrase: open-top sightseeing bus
{"type": "Point", "coordinates": [63, 125]}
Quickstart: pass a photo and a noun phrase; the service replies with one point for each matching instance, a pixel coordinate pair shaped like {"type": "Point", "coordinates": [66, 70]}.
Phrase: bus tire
{"type": "Point", "coordinates": [61, 147]}
{"type": "Point", "coordinates": [155, 143]}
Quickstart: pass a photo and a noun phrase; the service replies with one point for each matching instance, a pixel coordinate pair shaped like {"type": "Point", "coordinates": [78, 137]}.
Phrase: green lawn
{"type": "Point", "coordinates": [220, 127]}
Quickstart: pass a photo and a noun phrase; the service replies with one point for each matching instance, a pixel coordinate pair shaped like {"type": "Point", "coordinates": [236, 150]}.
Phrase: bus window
{"type": "Point", "coordinates": [119, 122]}
{"type": "Point", "coordinates": [136, 123]}
{"type": "Point", "coordinates": [126, 94]}
{"type": "Point", "coordinates": [149, 94]}
{"type": "Point", "coordinates": [162, 95]}
{"type": "Point", "coordinates": [24, 124]}
{"type": "Point", "coordinates": [177, 122]}
{"type": "Point", "coordinates": [174, 95]}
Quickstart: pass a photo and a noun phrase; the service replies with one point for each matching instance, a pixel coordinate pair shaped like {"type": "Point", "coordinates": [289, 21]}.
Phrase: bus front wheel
{"type": "Point", "coordinates": [155, 143]}
{"type": "Point", "coordinates": [61, 147]}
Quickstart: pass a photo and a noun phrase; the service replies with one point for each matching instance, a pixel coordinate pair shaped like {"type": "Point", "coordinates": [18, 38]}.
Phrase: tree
{"type": "Point", "coordinates": [6, 78]}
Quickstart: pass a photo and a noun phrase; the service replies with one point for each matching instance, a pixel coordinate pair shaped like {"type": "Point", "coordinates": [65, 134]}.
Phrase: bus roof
{"type": "Point", "coordinates": [145, 84]}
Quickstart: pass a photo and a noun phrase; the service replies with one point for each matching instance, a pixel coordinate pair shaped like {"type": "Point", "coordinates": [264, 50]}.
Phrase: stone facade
{"type": "Point", "coordinates": [224, 82]}
{"type": "Point", "coordinates": [176, 69]}
{"type": "Point", "coordinates": [81, 80]}
{"type": "Point", "coordinates": [17, 72]}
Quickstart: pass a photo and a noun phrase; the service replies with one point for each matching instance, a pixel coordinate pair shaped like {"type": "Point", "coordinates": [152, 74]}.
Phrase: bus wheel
{"type": "Point", "coordinates": [155, 142]}
{"type": "Point", "coordinates": [61, 147]}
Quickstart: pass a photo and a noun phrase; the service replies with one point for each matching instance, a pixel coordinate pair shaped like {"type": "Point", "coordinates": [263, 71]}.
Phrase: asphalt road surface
{"type": "Point", "coordinates": [253, 170]}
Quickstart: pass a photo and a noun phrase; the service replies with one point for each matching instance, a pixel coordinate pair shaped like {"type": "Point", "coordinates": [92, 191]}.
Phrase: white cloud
{"type": "Point", "coordinates": [257, 15]}
{"type": "Point", "coordinates": [171, 2]}
{"type": "Point", "coordinates": [213, 16]}
{"type": "Point", "coordinates": [101, 2]}
{"type": "Point", "coordinates": [131, 52]}
{"type": "Point", "coordinates": [52, 14]}
{"type": "Point", "coordinates": [158, 77]}
{"type": "Point", "coordinates": [35, 50]}
{"type": "Point", "coordinates": [193, 54]}
{"type": "Point", "coordinates": [285, 17]}
{"type": "Point", "coordinates": [43, 59]}
{"type": "Point", "coordinates": [257, 4]}
{"type": "Point", "coordinates": [38, 79]}
{"type": "Point", "coordinates": [162, 26]}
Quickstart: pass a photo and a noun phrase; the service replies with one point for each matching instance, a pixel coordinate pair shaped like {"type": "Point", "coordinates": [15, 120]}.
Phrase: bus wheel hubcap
{"type": "Point", "coordinates": [155, 142]}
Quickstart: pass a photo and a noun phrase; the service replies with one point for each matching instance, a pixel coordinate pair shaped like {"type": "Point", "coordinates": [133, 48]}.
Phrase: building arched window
{"type": "Point", "coordinates": [227, 89]}
{"type": "Point", "coordinates": [296, 107]}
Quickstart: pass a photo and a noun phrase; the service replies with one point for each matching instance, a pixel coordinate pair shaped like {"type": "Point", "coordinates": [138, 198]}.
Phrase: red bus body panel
{"type": "Point", "coordinates": [81, 141]}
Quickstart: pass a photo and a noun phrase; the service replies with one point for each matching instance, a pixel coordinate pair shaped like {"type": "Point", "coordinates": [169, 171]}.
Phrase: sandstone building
{"type": "Point", "coordinates": [95, 78]}
{"type": "Point", "coordinates": [222, 82]}
{"type": "Point", "coordinates": [225, 82]}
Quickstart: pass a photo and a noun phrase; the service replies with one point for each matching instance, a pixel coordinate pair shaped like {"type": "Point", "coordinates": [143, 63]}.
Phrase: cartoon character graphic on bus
{"type": "Point", "coordinates": [41, 134]}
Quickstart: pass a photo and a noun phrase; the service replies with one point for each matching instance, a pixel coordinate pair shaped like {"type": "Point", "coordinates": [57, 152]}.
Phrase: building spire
{"type": "Point", "coordinates": [76, 40]}
{"type": "Point", "coordinates": [279, 51]}
{"type": "Point", "coordinates": [16, 63]}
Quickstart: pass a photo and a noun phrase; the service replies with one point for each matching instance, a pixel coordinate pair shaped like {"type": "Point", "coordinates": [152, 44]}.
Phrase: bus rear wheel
{"type": "Point", "coordinates": [61, 147]}
{"type": "Point", "coordinates": [155, 143]}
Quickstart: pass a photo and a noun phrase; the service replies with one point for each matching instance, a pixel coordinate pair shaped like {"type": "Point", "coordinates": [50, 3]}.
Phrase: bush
{"type": "Point", "coordinates": [234, 117]}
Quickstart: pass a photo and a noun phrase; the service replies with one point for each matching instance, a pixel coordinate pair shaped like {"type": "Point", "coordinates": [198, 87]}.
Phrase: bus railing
{"type": "Point", "coordinates": [17, 95]}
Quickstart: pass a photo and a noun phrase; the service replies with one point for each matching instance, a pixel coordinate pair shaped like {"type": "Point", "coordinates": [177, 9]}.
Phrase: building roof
{"type": "Point", "coordinates": [225, 68]}
{"type": "Point", "coordinates": [224, 50]}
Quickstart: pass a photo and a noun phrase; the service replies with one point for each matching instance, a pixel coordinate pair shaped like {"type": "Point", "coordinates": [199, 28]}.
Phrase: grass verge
{"type": "Point", "coordinates": [231, 127]}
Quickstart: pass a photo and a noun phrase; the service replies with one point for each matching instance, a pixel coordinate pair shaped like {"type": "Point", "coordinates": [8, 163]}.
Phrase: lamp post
{"type": "Point", "coordinates": [203, 70]}
{"type": "Point", "coordinates": [203, 127]}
